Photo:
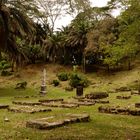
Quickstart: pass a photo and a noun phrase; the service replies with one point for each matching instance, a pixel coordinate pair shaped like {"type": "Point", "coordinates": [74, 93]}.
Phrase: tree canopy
{"type": "Point", "coordinates": [27, 31]}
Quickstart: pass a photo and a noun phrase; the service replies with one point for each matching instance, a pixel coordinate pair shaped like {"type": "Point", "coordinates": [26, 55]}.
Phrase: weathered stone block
{"type": "Point", "coordinates": [47, 123]}
{"type": "Point", "coordinates": [50, 100]}
{"type": "Point", "coordinates": [60, 105]}
{"type": "Point", "coordinates": [3, 106]}
{"type": "Point", "coordinates": [137, 105]}
{"type": "Point", "coordinates": [122, 89]}
{"type": "Point", "coordinates": [27, 109]}
{"type": "Point", "coordinates": [135, 92]}
{"type": "Point", "coordinates": [26, 103]}
{"type": "Point", "coordinates": [123, 97]}
{"type": "Point", "coordinates": [97, 95]}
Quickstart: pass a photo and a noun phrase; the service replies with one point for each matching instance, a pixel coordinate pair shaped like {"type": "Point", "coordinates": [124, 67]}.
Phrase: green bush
{"type": "Point", "coordinates": [4, 65]}
{"type": "Point", "coordinates": [63, 76]}
{"type": "Point", "coordinates": [78, 80]}
{"type": "Point", "coordinates": [55, 82]}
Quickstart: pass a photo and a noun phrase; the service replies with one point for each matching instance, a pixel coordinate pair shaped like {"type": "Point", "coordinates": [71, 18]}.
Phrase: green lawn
{"type": "Point", "coordinates": [101, 126]}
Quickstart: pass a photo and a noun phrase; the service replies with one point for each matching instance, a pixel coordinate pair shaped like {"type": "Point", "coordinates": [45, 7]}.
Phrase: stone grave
{"type": "Point", "coordinates": [97, 95]}
{"type": "Point", "coordinates": [54, 122]}
{"type": "Point", "coordinates": [50, 100]}
{"type": "Point", "coordinates": [123, 89]}
{"type": "Point", "coordinates": [94, 101]}
{"type": "Point", "coordinates": [137, 105]}
{"type": "Point", "coordinates": [26, 103]}
{"type": "Point", "coordinates": [135, 92]}
{"type": "Point", "coordinates": [123, 97]}
{"type": "Point", "coordinates": [53, 104]}
{"type": "Point", "coordinates": [119, 110]}
{"type": "Point", "coordinates": [3, 106]}
{"type": "Point", "coordinates": [28, 109]}
{"type": "Point", "coordinates": [22, 97]}
{"type": "Point", "coordinates": [79, 103]}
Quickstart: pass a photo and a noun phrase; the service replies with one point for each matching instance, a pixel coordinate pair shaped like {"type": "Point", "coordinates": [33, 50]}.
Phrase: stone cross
{"type": "Point", "coordinates": [43, 84]}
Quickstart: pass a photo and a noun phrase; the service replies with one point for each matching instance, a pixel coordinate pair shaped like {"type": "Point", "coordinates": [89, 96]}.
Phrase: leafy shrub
{"type": "Point", "coordinates": [55, 82]}
{"type": "Point", "coordinates": [3, 66]}
{"type": "Point", "coordinates": [63, 76]}
{"type": "Point", "coordinates": [78, 80]}
{"type": "Point", "coordinates": [97, 95]}
{"type": "Point", "coordinates": [5, 73]}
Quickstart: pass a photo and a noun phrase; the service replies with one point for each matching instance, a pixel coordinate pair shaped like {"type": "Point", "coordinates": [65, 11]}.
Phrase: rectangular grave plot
{"type": "Point", "coordinates": [119, 110]}
{"type": "Point", "coordinates": [26, 103]}
{"type": "Point", "coordinates": [3, 106]}
{"type": "Point", "coordinates": [123, 97]}
{"type": "Point", "coordinates": [60, 105]}
{"type": "Point", "coordinates": [102, 101]}
{"type": "Point", "coordinates": [50, 100]}
{"type": "Point", "coordinates": [79, 103]}
{"type": "Point", "coordinates": [135, 92]}
{"type": "Point", "coordinates": [137, 105]}
{"type": "Point", "coordinates": [46, 123]}
{"type": "Point", "coordinates": [94, 101]}
{"type": "Point", "coordinates": [27, 109]}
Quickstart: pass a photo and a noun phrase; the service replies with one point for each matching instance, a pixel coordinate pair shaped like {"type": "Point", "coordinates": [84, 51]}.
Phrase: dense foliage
{"type": "Point", "coordinates": [93, 37]}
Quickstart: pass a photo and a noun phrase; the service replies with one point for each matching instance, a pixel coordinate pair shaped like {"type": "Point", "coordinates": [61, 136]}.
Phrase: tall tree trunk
{"type": "Point", "coordinates": [84, 62]}
{"type": "Point", "coordinates": [0, 55]}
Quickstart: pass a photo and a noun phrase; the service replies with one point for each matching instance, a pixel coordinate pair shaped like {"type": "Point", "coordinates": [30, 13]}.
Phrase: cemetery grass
{"type": "Point", "coordinates": [100, 127]}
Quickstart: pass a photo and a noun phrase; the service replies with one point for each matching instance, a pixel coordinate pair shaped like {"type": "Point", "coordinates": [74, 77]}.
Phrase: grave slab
{"type": "Point", "coordinates": [123, 97]}
{"type": "Point", "coordinates": [49, 122]}
{"type": "Point", "coordinates": [26, 103]}
{"type": "Point", "coordinates": [60, 105]}
{"type": "Point", "coordinates": [50, 100]}
{"type": "Point", "coordinates": [3, 106]}
{"type": "Point", "coordinates": [119, 110]}
{"type": "Point", "coordinates": [79, 103]}
{"type": "Point", "coordinates": [27, 109]}
{"type": "Point", "coordinates": [137, 105]}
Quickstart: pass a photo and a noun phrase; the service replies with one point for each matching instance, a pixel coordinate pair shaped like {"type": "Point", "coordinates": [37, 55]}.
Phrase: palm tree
{"type": "Point", "coordinates": [15, 21]}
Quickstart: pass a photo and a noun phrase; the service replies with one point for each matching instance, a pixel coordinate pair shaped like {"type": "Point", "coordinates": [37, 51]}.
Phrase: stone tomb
{"type": "Point", "coordinates": [137, 105]}
{"type": "Point", "coordinates": [27, 109]}
{"type": "Point", "coordinates": [97, 95]}
{"type": "Point", "coordinates": [3, 106]}
{"type": "Point", "coordinates": [26, 103]}
{"type": "Point", "coordinates": [123, 97]}
{"type": "Point", "coordinates": [53, 104]}
{"type": "Point", "coordinates": [79, 103]}
{"type": "Point", "coordinates": [123, 89]}
{"type": "Point", "coordinates": [119, 110]}
{"type": "Point", "coordinates": [50, 100]}
{"type": "Point", "coordinates": [94, 101]}
{"type": "Point", "coordinates": [135, 92]}
{"type": "Point", "coordinates": [20, 97]}
{"type": "Point", "coordinates": [57, 103]}
{"type": "Point", "coordinates": [54, 122]}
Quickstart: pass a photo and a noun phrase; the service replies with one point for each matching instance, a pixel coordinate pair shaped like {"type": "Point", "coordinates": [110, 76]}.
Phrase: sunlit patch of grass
{"type": "Point", "coordinates": [101, 126]}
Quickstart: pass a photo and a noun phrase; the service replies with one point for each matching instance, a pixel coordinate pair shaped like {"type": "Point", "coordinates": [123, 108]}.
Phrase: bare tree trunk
{"type": "Point", "coordinates": [0, 55]}
{"type": "Point", "coordinates": [84, 62]}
